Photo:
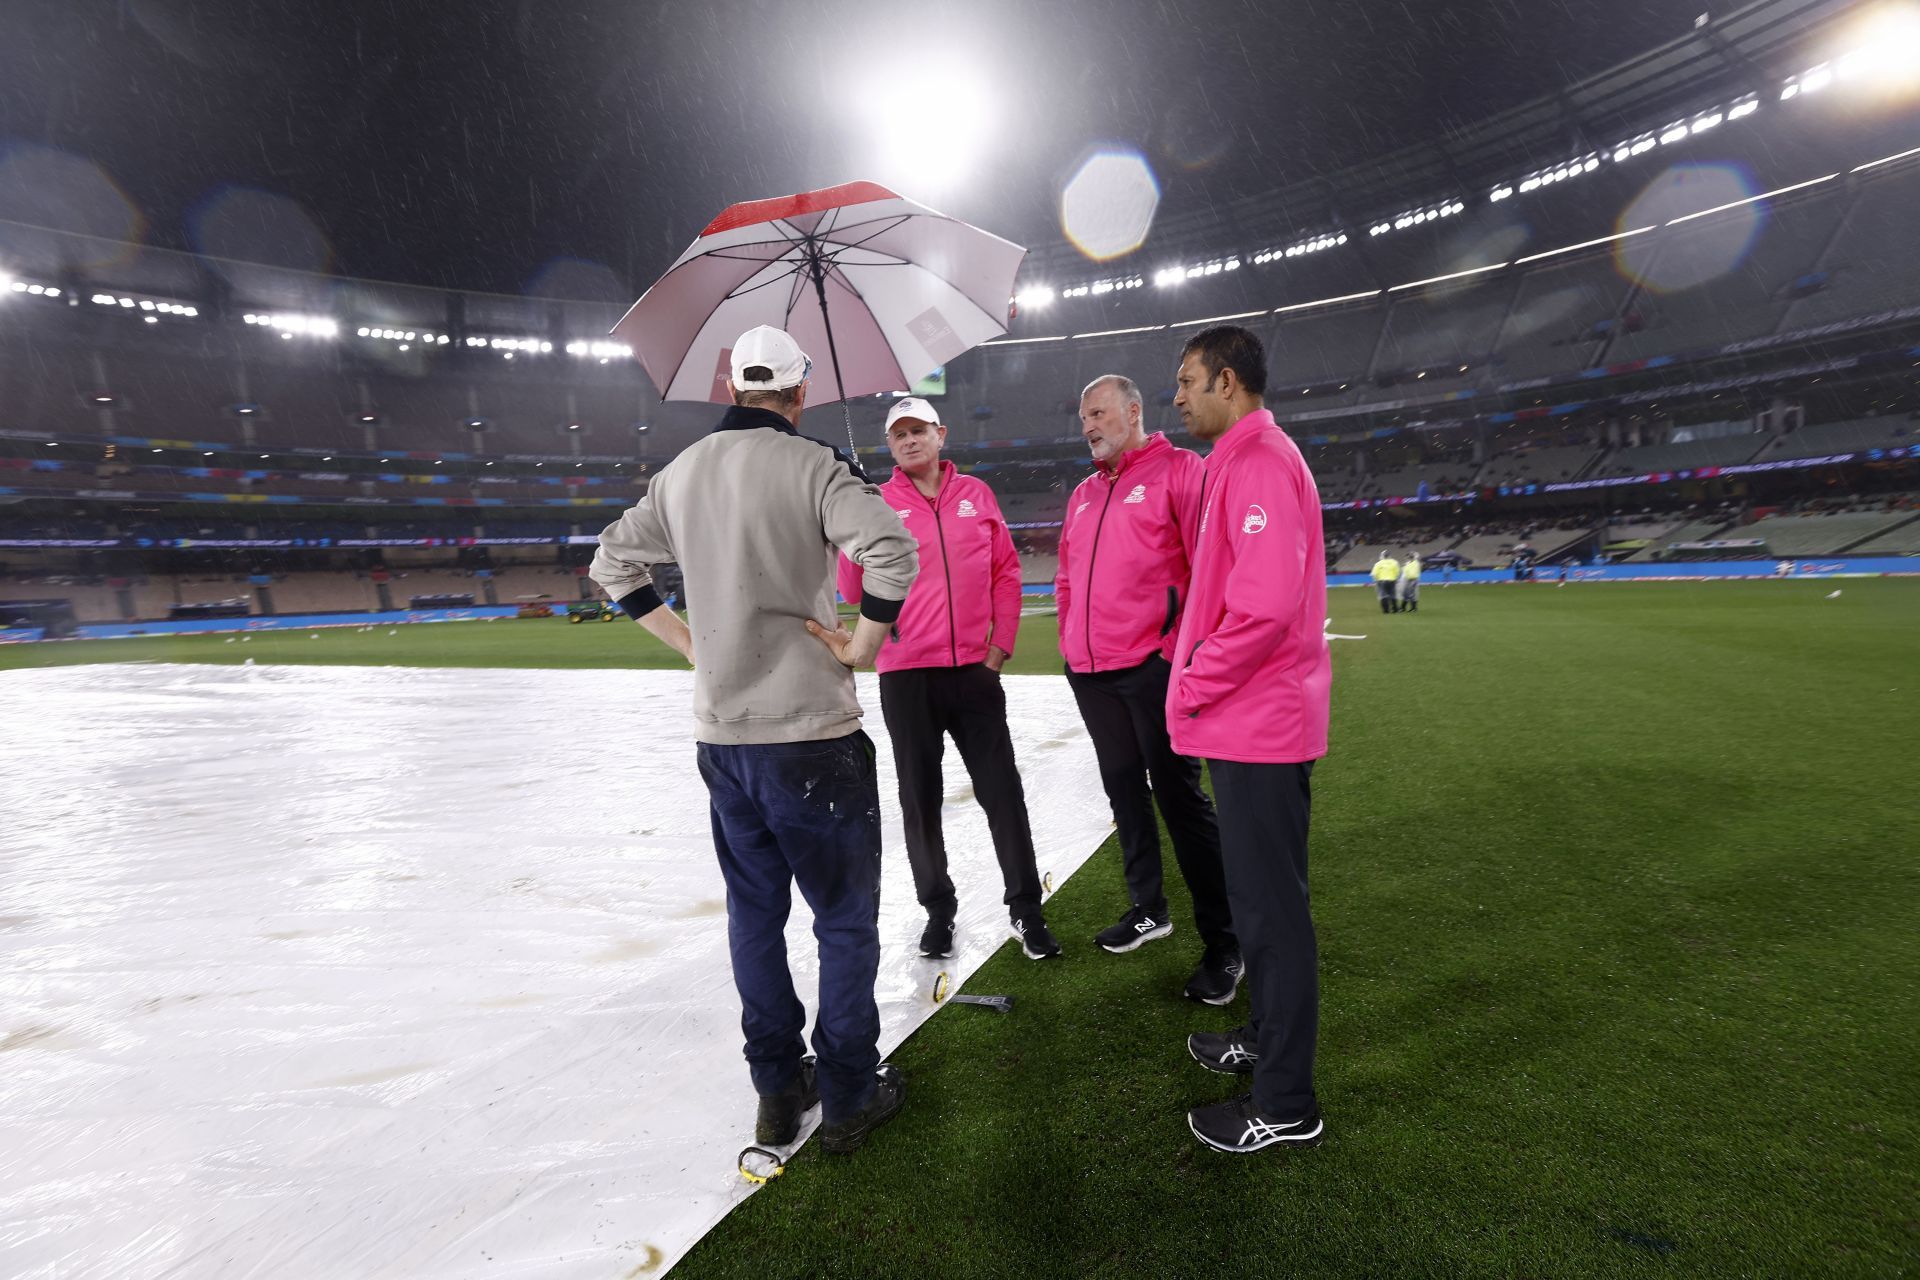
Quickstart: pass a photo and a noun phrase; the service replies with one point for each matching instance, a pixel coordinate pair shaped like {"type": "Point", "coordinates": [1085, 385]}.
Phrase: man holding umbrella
{"type": "Point", "coordinates": [753, 513]}
{"type": "Point", "coordinates": [940, 673]}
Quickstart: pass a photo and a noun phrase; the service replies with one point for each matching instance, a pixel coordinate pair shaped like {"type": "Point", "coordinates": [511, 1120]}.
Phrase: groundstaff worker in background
{"type": "Point", "coordinates": [940, 673]}
{"type": "Point", "coordinates": [753, 513]}
{"type": "Point", "coordinates": [1125, 549]}
{"type": "Point", "coordinates": [1250, 694]}
{"type": "Point", "coordinates": [1409, 601]}
{"type": "Point", "coordinates": [1386, 581]}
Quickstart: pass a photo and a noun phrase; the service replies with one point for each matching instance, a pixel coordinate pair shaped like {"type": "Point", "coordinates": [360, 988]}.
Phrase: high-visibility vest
{"type": "Point", "coordinates": [1387, 570]}
{"type": "Point", "coordinates": [1411, 570]}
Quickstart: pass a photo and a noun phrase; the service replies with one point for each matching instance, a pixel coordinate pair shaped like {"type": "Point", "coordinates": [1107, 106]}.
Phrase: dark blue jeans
{"type": "Point", "coordinates": [806, 814]}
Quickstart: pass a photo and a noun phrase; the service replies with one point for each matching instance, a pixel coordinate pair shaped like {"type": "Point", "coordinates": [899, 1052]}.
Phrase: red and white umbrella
{"type": "Point", "coordinates": [880, 291]}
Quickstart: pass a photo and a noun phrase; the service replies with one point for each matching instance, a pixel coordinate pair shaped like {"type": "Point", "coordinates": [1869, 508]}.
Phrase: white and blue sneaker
{"type": "Point", "coordinates": [1241, 1128]}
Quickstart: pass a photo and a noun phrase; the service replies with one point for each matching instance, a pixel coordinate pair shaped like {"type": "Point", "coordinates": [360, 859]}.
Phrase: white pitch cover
{"type": "Point", "coordinates": [370, 971]}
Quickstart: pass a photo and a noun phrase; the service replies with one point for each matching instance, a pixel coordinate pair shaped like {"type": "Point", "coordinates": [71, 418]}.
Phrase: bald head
{"type": "Point", "coordinates": [1111, 417]}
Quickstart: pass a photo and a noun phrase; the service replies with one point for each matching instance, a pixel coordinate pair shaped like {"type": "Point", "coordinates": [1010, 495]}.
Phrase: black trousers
{"type": "Point", "coordinates": [921, 707]}
{"type": "Point", "coordinates": [1126, 715]}
{"type": "Point", "coordinates": [1263, 842]}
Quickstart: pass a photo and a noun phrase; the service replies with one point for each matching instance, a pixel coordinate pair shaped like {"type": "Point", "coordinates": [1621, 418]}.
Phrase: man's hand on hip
{"type": "Point", "coordinates": [855, 648]}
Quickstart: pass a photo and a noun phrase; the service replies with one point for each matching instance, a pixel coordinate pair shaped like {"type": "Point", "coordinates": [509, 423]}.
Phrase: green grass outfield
{"type": "Point", "coordinates": [1618, 895]}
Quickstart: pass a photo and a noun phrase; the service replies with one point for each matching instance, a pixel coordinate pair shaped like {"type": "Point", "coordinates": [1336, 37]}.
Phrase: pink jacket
{"type": "Point", "coordinates": [1251, 676]}
{"type": "Point", "coordinates": [969, 585]}
{"type": "Point", "coordinates": [1123, 557]}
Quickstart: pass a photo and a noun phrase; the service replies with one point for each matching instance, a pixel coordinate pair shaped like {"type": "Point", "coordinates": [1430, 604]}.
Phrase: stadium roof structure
{"type": "Point", "coordinates": [1747, 51]}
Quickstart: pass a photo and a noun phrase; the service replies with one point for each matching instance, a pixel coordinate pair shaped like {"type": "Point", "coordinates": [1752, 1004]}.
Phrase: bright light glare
{"type": "Point", "coordinates": [930, 128]}
{"type": "Point", "coordinates": [1107, 207]}
{"type": "Point", "coordinates": [1886, 50]}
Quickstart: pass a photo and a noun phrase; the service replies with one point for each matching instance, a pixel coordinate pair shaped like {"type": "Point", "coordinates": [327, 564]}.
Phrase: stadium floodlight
{"type": "Point", "coordinates": [1741, 110]}
{"type": "Point", "coordinates": [1673, 133]}
{"type": "Point", "coordinates": [1169, 276]}
{"type": "Point", "coordinates": [1790, 91]}
{"type": "Point", "coordinates": [288, 325]}
{"type": "Point", "coordinates": [1034, 296]}
{"type": "Point", "coordinates": [1817, 79]}
{"type": "Point", "coordinates": [1708, 121]}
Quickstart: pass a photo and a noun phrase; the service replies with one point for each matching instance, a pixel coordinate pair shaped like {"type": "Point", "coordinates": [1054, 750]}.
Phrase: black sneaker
{"type": "Point", "coordinates": [1231, 1053]}
{"type": "Point", "coordinates": [1035, 938]}
{"type": "Point", "coordinates": [890, 1090]}
{"type": "Point", "coordinates": [779, 1120]}
{"type": "Point", "coordinates": [1136, 927]}
{"type": "Point", "coordinates": [1218, 978]}
{"type": "Point", "coordinates": [1241, 1128]}
{"type": "Point", "coordinates": [936, 940]}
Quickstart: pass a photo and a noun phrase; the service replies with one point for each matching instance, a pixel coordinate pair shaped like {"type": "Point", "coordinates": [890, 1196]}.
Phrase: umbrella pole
{"type": "Point", "coordinates": [819, 274]}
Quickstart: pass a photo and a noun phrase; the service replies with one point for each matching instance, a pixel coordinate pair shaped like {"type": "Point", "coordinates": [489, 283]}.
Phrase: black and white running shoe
{"type": "Point", "coordinates": [1218, 978]}
{"type": "Point", "coordinates": [1036, 940]}
{"type": "Point", "coordinates": [1242, 1128]}
{"type": "Point", "coordinates": [778, 1121]}
{"type": "Point", "coordinates": [936, 940]}
{"type": "Point", "coordinates": [1231, 1053]}
{"type": "Point", "coordinates": [1134, 929]}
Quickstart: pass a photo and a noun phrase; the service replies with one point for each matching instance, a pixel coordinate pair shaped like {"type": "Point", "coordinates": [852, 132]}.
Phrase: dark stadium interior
{"type": "Point", "coordinates": [1578, 327]}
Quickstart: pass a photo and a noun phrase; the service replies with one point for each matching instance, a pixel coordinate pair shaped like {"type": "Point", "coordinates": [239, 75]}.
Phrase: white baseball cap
{"type": "Point", "coordinates": [912, 407]}
{"type": "Point", "coordinates": [771, 349]}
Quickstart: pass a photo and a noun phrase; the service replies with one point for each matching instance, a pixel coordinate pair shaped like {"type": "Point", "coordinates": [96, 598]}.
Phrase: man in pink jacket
{"type": "Point", "coordinates": [1250, 694]}
{"type": "Point", "coordinates": [940, 674]}
{"type": "Point", "coordinates": [1122, 581]}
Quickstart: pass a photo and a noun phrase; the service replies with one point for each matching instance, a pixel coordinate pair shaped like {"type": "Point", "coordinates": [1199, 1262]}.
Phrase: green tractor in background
{"type": "Point", "coordinates": [591, 611]}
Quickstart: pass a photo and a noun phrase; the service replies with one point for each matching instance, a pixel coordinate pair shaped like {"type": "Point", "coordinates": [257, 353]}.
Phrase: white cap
{"type": "Point", "coordinates": [912, 407]}
{"type": "Point", "coordinates": [773, 349]}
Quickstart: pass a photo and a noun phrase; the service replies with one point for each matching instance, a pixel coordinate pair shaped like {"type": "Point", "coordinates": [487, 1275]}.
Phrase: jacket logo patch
{"type": "Point", "coordinates": [965, 508]}
{"type": "Point", "coordinates": [1082, 507]}
{"type": "Point", "coordinates": [1256, 520]}
{"type": "Point", "coordinates": [904, 515]}
{"type": "Point", "coordinates": [1139, 494]}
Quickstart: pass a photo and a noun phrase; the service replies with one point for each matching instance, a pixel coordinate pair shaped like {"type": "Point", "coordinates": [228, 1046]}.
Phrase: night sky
{"type": "Point", "coordinates": [573, 149]}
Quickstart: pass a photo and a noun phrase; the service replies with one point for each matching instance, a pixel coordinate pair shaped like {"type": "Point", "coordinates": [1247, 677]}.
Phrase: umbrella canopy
{"type": "Point", "coordinates": [880, 291]}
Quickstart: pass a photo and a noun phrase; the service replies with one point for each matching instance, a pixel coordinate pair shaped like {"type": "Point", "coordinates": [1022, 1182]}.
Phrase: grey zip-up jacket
{"type": "Point", "coordinates": [753, 514]}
